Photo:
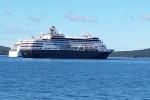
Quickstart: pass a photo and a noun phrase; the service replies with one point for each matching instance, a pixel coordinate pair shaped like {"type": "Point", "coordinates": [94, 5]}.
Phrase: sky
{"type": "Point", "coordinates": [121, 24]}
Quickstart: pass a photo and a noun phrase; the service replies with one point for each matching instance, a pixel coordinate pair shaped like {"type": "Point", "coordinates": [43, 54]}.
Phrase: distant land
{"type": "Point", "coordinates": [4, 50]}
{"type": "Point", "coordinates": [134, 54]}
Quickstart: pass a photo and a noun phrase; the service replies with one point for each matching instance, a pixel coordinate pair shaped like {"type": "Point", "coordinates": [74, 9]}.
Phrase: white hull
{"type": "Point", "coordinates": [14, 53]}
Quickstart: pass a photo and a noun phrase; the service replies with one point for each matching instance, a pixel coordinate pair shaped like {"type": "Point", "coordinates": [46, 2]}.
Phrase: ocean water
{"type": "Point", "coordinates": [73, 79]}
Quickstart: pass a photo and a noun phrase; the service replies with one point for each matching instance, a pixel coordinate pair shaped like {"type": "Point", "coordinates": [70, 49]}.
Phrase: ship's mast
{"type": "Point", "coordinates": [53, 31]}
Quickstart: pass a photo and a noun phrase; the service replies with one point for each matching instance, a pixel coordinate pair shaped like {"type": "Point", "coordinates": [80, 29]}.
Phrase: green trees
{"type": "Point", "coordinates": [4, 50]}
{"type": "Point", "coordinates": [134, 54]}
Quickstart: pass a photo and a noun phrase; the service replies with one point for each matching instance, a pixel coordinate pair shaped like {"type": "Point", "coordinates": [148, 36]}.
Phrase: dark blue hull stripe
{"type": "Point", "coordinates": [66, 54]}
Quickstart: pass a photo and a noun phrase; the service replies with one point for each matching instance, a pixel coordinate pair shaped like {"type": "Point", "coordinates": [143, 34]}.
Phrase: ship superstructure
{"type": "Point", "coordinates": [15, 50]}
{"type": "Point", "coordinates": [56, 45]}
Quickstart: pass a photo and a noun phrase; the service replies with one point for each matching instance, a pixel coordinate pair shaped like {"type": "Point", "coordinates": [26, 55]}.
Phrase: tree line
{"type": "Point", "coordinates": [4, 50]}
{"type": "Point", "coordinates": [134, 53]}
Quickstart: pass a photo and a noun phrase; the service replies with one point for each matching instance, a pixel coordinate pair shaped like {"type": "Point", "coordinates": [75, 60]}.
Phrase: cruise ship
{"type": "Point", "coordinates": [15, 50]}
{"type": "Point", "coordinates": [56, 45]}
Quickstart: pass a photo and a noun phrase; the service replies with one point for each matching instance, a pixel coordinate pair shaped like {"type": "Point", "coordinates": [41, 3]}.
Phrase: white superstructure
{"type": "Point", "coordinates": [15, 50]}
{"type": "Point", "coordinates": [57, 41]}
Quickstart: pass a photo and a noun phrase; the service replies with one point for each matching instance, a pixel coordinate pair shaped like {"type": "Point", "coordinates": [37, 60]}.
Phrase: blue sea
{"type": "Point", "coordinates": [74, 79]}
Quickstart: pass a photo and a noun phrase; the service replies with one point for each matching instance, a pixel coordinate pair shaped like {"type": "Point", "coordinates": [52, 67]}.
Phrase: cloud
{"type": "Point", "coordinates": [36, 20]}
{"type": "Point", "coordinates": [8, 12]}
{"type": "Point", "coordinates": [74, 17]}
{"type": "Point", "coordinates": [129, 17]}
{"type": "Point", "coordinates": [145, 17]}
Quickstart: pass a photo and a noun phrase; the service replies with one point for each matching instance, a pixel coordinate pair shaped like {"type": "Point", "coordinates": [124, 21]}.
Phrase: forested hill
{"type": "Point", "coordinates": [135, 53]}
{"type": "Point", "coordinates": [4, 50]}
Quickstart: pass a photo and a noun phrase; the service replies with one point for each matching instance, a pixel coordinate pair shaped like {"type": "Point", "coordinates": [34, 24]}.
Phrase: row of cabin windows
{"type": "Point", "coordinates": [37, 48]}
{"type": "Point", "coordinates": [56, 43]}
{"type": "Point", "coordinates": [73, 42]}
{"type": "Point", "coordinates": [67, 43]}
{"type": "Point", "coordinates": [31, 46]}
{"type": "Point", "coordinates": [82, 42]}
{"type": "Point", "coordinates": [51, 48]}
{"type": "Point", "coordinates": [69, 40]}
{"type": "Point", "coordinates": [34, 43]}
{"type": "Point", "coordinates": [53, 44]}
